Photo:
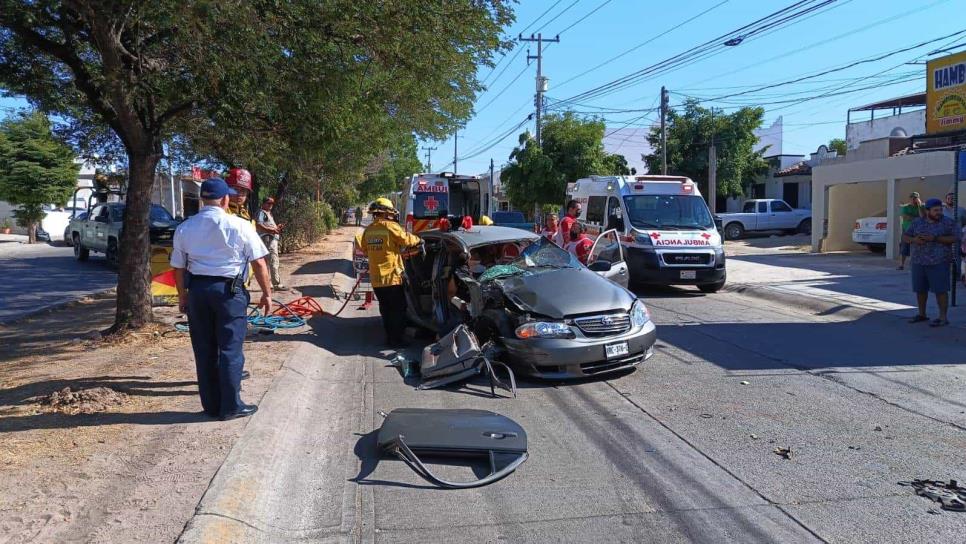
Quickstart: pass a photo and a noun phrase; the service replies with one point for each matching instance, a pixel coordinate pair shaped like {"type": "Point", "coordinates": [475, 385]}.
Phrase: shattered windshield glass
{"type": "Point", "coordinates": [539, 257]}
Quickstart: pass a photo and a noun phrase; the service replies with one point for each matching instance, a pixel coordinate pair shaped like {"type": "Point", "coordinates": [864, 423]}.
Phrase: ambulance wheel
{"type": "Point", "coordinates": [81, 253]}
{"type": "Point", "coordinates": [734, 231]}
{"type": "Point", "coordinates": [712, 287]}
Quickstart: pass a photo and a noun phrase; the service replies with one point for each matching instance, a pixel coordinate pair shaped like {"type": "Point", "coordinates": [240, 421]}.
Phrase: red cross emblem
{"type": "Point", "coordinates": [431, 204]}
{"type": "Point", "coordinates": [705, 235]}
{"type": "Point", "coordinates": [655, 235]}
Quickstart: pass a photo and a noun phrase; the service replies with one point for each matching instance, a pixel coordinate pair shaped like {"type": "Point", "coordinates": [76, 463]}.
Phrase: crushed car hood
{"type": "Point", "coordinates": [566, 292]}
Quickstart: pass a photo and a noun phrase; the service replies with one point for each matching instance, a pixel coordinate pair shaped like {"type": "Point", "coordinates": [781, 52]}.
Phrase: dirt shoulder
{"type": "Point", "coordinates": [128, 459]}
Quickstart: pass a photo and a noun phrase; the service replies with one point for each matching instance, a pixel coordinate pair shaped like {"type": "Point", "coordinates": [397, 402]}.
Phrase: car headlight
{"type": "Point", "coordinates": [639, 314]}
{"type": "Point", "coordinates": [543, 329]}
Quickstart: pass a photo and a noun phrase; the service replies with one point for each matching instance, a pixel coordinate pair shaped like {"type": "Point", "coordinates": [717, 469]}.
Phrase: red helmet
{"type": "Point", "coordinates": [239, 178]}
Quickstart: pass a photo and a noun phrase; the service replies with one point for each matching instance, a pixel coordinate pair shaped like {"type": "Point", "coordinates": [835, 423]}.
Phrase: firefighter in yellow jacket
{"type": "Point", "coordinates": [383, 243]}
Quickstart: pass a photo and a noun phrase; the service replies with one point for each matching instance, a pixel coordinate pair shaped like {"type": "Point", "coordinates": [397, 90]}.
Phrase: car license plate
{"type": "Point", "coordinates": [616, 350]}
{"type": "Point", "coordinates": [689, 274]}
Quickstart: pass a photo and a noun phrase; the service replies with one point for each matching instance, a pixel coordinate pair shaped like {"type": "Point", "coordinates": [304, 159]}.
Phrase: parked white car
{"type": "Point", "coordinates": [766, 214]}
{"type": "Point", "coordinates": [55, 222]}
{"type": "Point", "coordinates": [871, 232]}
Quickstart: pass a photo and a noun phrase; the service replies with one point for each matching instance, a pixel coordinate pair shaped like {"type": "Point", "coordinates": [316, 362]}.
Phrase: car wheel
{"type": "Point", "coordinates": [711, 287]}
{"type": "Point", "coordinates": [113, 258]}
{"type": "Point", "coordinates": [877, 248]}
{"type": "Point", "coordinates": [734, 231]}
{"type": "Point", "coordinates": [805, 227]}
{"type": "Point", "coordinates": [81, 253]}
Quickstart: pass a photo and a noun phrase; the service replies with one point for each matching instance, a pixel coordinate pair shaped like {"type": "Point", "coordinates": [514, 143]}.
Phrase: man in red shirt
{"type": "Point", "coordinates": [580, 244]}
{"type": "Point", "coordinates": [573, 212]}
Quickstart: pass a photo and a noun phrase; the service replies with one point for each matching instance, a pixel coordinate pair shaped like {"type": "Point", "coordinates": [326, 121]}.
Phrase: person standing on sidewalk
{"type": "Point", "coordinates": [932, 238]}
{"type": "Point", "coordinates": [383, 243]}
{"type": "Point", "coordinates": [358, 216]}
{"type": "Point", "coordinates": [269, 231]}
{"type": "Point", "coordinates": [910, 212]}
{"type": "Point", "coordinates": [949, 209]}
{"type": "Point", "coordinates": [211, 254]}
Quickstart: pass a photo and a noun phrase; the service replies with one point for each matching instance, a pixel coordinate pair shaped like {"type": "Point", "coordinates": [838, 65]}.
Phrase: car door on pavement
{"type": "Point", "coordinates": [782, 216]}
{"type": "Point", "coordinates": [607, 258]}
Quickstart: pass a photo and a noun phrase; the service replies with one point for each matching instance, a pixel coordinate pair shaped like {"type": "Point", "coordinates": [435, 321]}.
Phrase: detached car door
{"type": "Point", "coordinates": [607, 258]}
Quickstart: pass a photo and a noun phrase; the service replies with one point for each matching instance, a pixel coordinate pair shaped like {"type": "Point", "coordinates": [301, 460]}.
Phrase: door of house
{"type": "Point", "coordinates": [790, 194]}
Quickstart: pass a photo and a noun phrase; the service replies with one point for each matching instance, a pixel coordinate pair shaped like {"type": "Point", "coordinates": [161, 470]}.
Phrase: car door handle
{"type": "Point", "coordinates": [622, 271]}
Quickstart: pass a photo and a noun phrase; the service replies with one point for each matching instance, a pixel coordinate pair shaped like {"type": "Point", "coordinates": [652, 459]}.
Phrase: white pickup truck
{"type": "Point", "coordinates": [766, 214]}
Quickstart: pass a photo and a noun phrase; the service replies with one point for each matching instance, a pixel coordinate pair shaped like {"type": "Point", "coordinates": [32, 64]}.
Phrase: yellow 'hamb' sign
{"type": "Point", "coordinates": [946, 94]}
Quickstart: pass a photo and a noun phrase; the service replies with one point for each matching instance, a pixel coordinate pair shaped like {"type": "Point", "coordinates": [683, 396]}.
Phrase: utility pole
{"type": "Point", "coordinates": [429, 158]}
{"type": "Point", "coordinates": [541, 81]}
{"type": "Point", "coordinates": [456, 134]}
{"type": "Point", "coordinates": [712, 170]}
{"type": "Point", "coordinates": [489, 195]}
{"type": "Point", "coordinates": [664, 104]}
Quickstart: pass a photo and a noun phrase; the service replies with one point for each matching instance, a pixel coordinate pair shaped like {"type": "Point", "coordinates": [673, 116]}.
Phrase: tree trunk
{"type": "Point", "coordinates": [32, 233]}
{"type": "Point", "coordinates": [134, 272]}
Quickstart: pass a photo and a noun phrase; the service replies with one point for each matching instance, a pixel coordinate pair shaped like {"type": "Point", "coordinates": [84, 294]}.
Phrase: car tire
{"type": "Point", "coordinates": [113, 258]}
{"type": "Point", "coordinates": [734, 231]}
{"type": "Point", "coordinates": [805, 227]}
{"type": "Point", "coordinates": [81, 253]}
{"type": "Point", "coordinates": [711, 287]}
{"type": "Point", "coordinates": [876, 248]}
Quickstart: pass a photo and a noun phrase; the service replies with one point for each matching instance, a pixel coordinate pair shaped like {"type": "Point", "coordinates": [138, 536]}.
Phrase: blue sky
{"type": "Point", "coordinates": [835, 35]}
{"type": "Point", "coordinates": [595, 31]}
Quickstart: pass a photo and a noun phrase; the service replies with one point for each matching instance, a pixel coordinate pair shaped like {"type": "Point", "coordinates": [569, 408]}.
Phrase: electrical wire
{"type": "Point", "coordinates": [582, 19]}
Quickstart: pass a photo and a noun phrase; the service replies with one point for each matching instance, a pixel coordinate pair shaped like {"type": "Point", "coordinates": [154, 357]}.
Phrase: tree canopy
{"type": "Point", "coordinates": [689, 134]}
{"type": "Point", "coordinates": [399, 162]}
{"type": "Point", "coordinates": [839, 146]}
{"type": "Point", "coordinates": [573, 148]}
{"type": "Point", "coordinates": [298, 92]}
{"type": "Point", "coordinates": [35, 168]}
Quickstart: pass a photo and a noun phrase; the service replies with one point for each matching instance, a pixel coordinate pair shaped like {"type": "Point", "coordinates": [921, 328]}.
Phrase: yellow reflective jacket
{"type": "Point", "coordinates": [383, 243]}
{"type": "Point", "coordinates": [240, 211]}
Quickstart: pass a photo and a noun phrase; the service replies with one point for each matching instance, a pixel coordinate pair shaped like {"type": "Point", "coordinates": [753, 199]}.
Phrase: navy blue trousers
{"type": "Point", "coordinates": [218, 323]}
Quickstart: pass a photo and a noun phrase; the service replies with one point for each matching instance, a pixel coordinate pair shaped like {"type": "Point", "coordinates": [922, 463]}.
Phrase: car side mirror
{"type": "Point", "coordinates": [718, 224]}
{"type": "Point", "coordinates": [600, 266]}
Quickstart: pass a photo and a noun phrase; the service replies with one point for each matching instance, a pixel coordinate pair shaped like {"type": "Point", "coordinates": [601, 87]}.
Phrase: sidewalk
{"type": "Point", "coordinates": [843, 284]}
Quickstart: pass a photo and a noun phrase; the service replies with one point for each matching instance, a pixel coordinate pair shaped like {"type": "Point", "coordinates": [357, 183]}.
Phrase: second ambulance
{"type": "Point", "coordinates": [666, 231]}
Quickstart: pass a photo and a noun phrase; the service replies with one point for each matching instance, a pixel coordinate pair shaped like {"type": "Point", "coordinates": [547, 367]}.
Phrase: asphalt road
{"type": "Point", "coordinates": [42, 275]}
{"type": "Point", "coordinates": [678, 451]}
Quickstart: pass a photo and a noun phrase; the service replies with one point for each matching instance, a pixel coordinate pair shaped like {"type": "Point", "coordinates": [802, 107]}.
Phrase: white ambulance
{"type": "Point", "coordinates": [666, 232]}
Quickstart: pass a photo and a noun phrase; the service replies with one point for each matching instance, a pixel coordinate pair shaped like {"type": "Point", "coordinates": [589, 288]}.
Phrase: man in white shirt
{"type": "Point", "coordinates": [212, 251]}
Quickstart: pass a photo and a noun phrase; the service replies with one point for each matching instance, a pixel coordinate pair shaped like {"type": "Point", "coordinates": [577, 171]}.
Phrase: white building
{"type": "Point", "coordinates": [898, 124]}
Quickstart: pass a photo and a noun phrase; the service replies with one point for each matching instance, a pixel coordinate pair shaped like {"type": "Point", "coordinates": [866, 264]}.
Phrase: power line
{"type": "Point", "coordinates": [642, 44]}
{"type": "Point", "coordinates": [582, 19]}
{"type": "Point", "coordinates": [555, 17]}
{"type": "Point", "coordinates": [516, 46]}
{"type": "Point", "coordinates": [782, 16]}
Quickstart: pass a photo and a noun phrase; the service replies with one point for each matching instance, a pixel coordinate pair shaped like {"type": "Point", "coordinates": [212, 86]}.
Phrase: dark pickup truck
{"type": "Point", "coordinates": [511, 219]}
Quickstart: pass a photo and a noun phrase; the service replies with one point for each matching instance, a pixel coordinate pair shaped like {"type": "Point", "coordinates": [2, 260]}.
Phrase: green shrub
{"type": "Point", "coordinates": [304, 223]}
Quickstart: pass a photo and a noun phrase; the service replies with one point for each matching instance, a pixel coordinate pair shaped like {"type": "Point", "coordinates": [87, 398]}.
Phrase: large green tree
{"type": "Point", "coordinates": [689, 134]}
{"type": "Point", "coordinates": [530, 178]}
{"type": "Point", "coordinates": [395, 166]}
{"type": "Point", "coordinates": [36, 168]}
{"type": "Point", "coordinates": [572, 148]}
{"type": "Point", "coordinates": [304, 84]}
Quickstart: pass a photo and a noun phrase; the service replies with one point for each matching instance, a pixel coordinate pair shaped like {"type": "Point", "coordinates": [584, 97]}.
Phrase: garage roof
{"type": "Point", "coordinates": [912, 100]}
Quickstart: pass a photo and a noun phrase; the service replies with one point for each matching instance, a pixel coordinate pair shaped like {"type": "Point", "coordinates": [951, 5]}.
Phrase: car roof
{"type": "Point", "coordinates": [482, 236]}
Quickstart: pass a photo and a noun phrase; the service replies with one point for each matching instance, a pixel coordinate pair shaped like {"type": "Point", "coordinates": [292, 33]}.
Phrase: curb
{"type": "Point", "coordinates": [814, 304]}
{"type": "Point", "coordinates": [54, 306]}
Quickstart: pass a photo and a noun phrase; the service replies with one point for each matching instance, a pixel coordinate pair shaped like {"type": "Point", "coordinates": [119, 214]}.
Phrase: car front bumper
{"type": "Point", "coordinates": [582, 357]}
{"type": "Point", "coordinates": [646, 267]}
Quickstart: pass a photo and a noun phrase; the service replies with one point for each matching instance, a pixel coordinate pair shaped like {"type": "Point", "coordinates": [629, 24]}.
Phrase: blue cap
{"type": "Point", "coordinates": [934, 203]}
{"type": "Point", "coordinates": [215, 188]}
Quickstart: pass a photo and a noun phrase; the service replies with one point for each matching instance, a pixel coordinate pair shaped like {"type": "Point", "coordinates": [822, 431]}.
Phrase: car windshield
{"type": "Point", "coordinates": [539, 257]}
{"type": "Point", "coordinates": [668, 212]}
{"type": "Point", "coordinates": [158, 214]}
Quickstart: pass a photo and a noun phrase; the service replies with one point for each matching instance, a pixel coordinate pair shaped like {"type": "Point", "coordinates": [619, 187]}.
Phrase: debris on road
{"type": "Point", "coordinates": [754, 437]}
{"type": "Point", "coordinates": [877, 429]}
{"type": "Point", "coordinates": [949, 494]}
{"type": "Point", "coordinates": [745, 382]}
{"type": "Point", "coordinates": [84, 401]}
{"type": "Point", "coordinates": [783, 452]}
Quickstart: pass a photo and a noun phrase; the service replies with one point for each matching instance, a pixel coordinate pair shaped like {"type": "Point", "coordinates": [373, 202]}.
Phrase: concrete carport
{"type": "Point", "coordinates": [856, 186]}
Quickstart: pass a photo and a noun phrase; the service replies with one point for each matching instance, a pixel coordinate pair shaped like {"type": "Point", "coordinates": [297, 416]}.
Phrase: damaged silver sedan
{"type": "Point", "coordinates": [551, 316]}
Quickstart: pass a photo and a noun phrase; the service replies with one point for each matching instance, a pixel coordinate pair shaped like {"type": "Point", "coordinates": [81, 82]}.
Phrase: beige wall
{"type": "Point", "coordinates": [859, 188]}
